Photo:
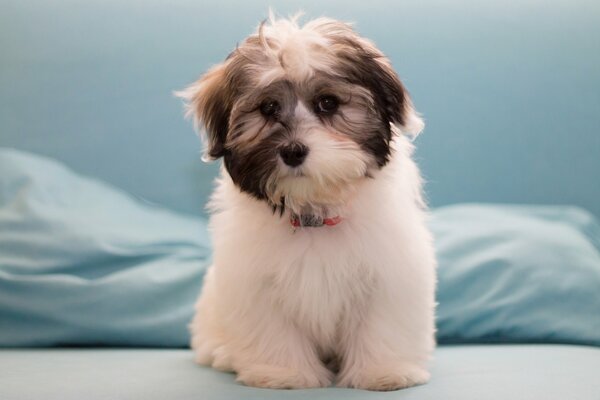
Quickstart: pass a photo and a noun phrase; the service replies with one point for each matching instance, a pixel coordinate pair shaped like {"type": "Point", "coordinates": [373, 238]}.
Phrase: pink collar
{"type": "Point", "coordinates": [313, 221]}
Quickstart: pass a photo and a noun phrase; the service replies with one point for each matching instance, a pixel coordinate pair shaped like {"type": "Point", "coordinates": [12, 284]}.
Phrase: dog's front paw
{"type": "Point", "coordinates": [384, 378]}
{"type": "Point", "coordinates": [275, 377]}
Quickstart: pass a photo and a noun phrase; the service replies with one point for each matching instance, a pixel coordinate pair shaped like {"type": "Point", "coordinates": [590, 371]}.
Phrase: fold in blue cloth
{"type": "Point", "coordinates": [83, 263]}
{"type": "Point", "coordinates": [517, 274]}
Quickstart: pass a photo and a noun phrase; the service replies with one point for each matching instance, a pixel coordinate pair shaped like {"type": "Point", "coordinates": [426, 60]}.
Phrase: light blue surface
{"type": "Point", "coordinates": [84, 263]}
{"type": "Point", "coordinates": [525, 372]}
{"type": "Point", "coordinates": [510, 89]}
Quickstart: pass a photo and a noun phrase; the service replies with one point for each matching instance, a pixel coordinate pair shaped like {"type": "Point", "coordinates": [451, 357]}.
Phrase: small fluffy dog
{"type": "Point", "coordinates": [323, 264]}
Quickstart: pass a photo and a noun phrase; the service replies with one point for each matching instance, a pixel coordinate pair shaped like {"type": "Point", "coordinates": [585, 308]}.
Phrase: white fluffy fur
{"type": "Point", "coordinates": [278, 300]}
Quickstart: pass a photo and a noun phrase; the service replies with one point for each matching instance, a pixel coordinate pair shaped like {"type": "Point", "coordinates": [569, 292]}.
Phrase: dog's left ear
{"type": "Point", "coordinates": [391, 95]}
{"type": "Point", "coordinates": [209, 101]}
{"type": "Point", "coordinates": [365, 64]}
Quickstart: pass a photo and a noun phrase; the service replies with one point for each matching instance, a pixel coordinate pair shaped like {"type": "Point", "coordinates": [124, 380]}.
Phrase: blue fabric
{"type": "Point", "coordinates": [82, 263]}
{"type": "Point", "coordinates": [517, 274]}
{"type": "Point", "coordinates": [510, 90]}
{"type": "Point", "coordinates": [490, 372]}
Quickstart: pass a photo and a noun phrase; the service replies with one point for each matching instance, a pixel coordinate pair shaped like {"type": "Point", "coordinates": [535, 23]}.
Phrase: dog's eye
{"type": "Point", "coordinates": [269, 108]}
{"type": "Point", "coordinates": [326, 105]}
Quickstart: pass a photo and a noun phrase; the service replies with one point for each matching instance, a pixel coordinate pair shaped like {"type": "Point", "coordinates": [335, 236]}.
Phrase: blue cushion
{"type": "Point", "coordinates": [518, 274]}
{"type": "Point", "coordinates": [82, 263]}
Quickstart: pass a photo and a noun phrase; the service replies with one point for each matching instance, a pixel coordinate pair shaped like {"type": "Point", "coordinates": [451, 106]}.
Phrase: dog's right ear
{"type": "Point", "coordinates": [209, 102]}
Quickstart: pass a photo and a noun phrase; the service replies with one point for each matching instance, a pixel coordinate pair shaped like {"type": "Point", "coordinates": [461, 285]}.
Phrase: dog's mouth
{"type": "Point", "coordinates": [297, 172]}
{"type": "Point", "coordinates": [301, 193]}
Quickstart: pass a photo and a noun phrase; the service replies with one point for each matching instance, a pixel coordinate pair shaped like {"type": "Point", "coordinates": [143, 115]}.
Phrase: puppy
{"type": "Point", "coordinates": [323, 268]}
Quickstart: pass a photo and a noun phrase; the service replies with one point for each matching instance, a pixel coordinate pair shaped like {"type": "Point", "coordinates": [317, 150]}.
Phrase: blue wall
{"type": "Point", "coordinates": [510, 90]}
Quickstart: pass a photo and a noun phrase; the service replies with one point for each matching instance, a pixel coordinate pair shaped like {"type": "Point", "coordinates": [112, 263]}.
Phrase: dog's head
{"type": "Point", "coordinates": [301, 113]}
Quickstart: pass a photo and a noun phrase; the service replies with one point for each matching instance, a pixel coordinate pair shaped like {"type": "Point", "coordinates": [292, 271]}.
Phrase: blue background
{"type": "Point", "coordinates": [510, 90]}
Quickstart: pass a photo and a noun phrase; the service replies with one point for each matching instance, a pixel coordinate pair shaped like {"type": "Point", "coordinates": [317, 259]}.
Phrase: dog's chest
{"type": "Point", "coordinates": [320, 286]}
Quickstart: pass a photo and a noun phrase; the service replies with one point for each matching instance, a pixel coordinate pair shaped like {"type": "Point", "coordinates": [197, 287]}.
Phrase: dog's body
{"type": "Point", "coordinates": [321, 253]}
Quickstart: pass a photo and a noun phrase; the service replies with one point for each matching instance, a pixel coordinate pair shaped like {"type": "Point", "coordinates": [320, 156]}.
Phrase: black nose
{"type": "Point", "coordinates": [293, 154]}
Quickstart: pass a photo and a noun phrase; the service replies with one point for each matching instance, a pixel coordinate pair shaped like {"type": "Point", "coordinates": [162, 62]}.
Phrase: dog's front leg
{"type": "Point", "coordinates": [277, 355]}
{"type": "Point", "coordinates": [385, 352]}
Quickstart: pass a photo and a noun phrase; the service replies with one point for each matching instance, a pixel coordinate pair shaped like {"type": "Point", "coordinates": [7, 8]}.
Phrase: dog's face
{"type": "Point", "coordinates": [301, 114]}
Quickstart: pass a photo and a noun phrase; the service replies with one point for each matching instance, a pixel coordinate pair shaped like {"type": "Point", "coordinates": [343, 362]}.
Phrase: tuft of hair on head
{"type": "Point", "coordinates": [292, 19]}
